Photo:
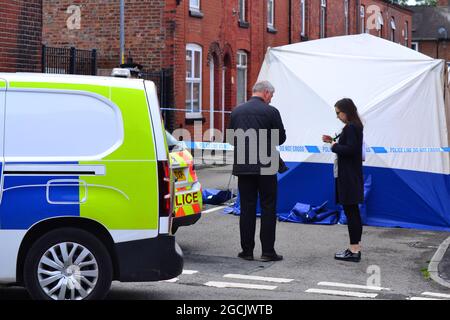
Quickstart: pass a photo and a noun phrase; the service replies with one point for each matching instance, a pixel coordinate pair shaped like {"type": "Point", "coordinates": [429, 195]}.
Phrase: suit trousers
{"type": "Point", "coordinates": [250, 186]}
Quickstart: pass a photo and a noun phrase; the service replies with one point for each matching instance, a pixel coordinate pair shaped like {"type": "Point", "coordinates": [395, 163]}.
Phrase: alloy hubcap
{"type": "Point", "coordinates": [67, 271]}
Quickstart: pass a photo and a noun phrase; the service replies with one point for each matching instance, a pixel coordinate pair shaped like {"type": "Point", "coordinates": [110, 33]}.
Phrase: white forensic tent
{"type": "Point", "coordinates": [399, 93]}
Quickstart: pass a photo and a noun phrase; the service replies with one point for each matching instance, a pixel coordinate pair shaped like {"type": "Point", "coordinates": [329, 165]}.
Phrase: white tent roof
{"type": "Point", "coordinates": [398, 91]}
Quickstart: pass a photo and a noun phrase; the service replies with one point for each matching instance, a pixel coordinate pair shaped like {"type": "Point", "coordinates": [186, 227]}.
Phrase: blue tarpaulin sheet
{"type": "Point", "coordinates": [215, 196]}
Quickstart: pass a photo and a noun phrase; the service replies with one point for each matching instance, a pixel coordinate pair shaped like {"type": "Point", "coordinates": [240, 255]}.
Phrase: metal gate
{"type": "Point", "coordinates": [69, 61]}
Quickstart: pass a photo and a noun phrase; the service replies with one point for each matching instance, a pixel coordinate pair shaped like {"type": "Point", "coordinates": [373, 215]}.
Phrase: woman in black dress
{"type": "Point", "coordinates": [348, 174]}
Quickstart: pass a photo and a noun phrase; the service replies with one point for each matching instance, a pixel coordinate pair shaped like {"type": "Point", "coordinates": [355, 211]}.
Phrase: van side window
{"type": "Point", "coordinates": [51, 126]}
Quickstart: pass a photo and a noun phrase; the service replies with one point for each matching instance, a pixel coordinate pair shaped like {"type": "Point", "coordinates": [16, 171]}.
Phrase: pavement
{"type": "Point", "coordinates": [439, 267]}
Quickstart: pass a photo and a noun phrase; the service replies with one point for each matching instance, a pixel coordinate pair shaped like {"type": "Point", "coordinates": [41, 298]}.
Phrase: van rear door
{"type": "Point", "coordinates": [2, 134]}
{"type": "Point", "coordinates": [166, 186]}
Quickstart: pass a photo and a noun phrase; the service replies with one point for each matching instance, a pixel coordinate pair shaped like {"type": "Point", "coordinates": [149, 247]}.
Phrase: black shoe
{"type": "Point", "coordinates": [246, 256]}
{"type": "Point", "coordinates": [347, 255]}
{"type": "Point", "coordinates": [266, 257]}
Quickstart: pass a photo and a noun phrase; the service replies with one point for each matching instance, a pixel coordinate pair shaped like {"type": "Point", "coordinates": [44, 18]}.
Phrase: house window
{"type": "Point", "coordinates": [380, 24]}
{"type": "Point", "coordinates": [415, 46]}
{"type": "Point", "coordinates": [193, 78]}
{"type": "Point", "coordinates": [346, 11]}
{"type": "Point", "coordinates": [271, 14]}
{"type": "Point", "coordinates": [393, 28]}
{"type": "Point", "coordinates": [362, 16]}
{"type": "Point", "coordinates": [242, 10]}
{"type": "Point", "coordinates": [194, 5]}
{"type": "Point", "coordinates": [303, 14]}
{"type": "Point", "coordinates": [406, 33]}
{"type": "Point", "coordinates": [323, 18]}
{"type": "Point", "coordinates": [242, 63]}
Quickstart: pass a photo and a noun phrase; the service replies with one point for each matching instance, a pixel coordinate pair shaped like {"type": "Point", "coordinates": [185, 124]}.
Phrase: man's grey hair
{"type": "Point", "coordinates": [262, 86]}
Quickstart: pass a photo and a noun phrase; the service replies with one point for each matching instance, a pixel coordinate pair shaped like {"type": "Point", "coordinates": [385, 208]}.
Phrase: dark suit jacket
{"type": "Point", "coordinates": [350, 183]}
{"type": "Point", "coordinates": [255, 114]}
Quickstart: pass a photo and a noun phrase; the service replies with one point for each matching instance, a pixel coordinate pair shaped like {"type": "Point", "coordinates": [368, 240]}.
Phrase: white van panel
{"type": "Point", "coordinates": [155, 116]}
{"type": "Point", "coordinates": [73, 79]}
{"type": "Point", "coordinates": [60, 126]}
{"type": "Point", "coordinates": [10, 240]}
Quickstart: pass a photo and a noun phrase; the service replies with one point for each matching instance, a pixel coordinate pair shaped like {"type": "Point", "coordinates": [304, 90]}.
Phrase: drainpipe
{"type": "Point", "coordinates": [122, 31]}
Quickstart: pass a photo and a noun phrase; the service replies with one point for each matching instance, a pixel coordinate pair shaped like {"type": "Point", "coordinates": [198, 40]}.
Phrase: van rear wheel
{"type": "Point", "coordinates": [68, 264]}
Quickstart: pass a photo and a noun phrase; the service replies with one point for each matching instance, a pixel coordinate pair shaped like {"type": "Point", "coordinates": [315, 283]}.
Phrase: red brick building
{"type": "Point", "coordinates": [215, 47]}
{"type": "Point", "coordinates": [431, 30]}
{"type": "Point", "coordinates": [20, 35]}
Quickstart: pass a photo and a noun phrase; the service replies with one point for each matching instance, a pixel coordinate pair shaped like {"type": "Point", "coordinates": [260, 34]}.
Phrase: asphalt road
{"type": "Point", "coordinates": [392, 267]}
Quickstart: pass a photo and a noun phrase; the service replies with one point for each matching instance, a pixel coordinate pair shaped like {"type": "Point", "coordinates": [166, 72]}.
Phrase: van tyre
{"type": "Point", "coordinates": [68, 264]}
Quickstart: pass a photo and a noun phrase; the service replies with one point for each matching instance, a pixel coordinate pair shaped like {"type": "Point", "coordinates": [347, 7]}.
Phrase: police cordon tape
{"type": "Point", "coordinates": [315, 149]}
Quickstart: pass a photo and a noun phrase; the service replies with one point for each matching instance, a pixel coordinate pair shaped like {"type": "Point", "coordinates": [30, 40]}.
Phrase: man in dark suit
{"type": "Point", "coordinates": [257, 129]}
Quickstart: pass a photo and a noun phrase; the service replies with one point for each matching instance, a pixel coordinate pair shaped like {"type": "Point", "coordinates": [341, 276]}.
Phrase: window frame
{"type": "Point", "coordinates": [243, 11]}
{"type": "Point", "coordinates": [362, 18]}
{"type": "Point", "coordinates": [406, 33]}
{"type": "Point", "coordinates": [323, 19]}
{"type": "Point", "coordinates": [193, 6]}
{"type": "Point", "coordinates": [380, 24]}
{"type": "Point", "coordinates": [393, 29]}
{"type": "Point", "coordinates": [271, 17]}
{"type": "Point", "coordinates": [240, 66]}
{"type": "Point", "coordinates": [416, 45]}
{"type": "Point", "coordinates": [303, 15]}
{"type": "Point", "coordinates": [192, 47]}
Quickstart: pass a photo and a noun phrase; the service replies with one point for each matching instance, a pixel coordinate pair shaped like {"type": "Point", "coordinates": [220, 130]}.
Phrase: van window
{"type": "Point", "coordinates": [60, 127]}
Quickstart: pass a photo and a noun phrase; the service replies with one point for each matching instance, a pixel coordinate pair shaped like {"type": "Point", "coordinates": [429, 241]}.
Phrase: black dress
{"type": "Point", "coordinates": [349, 182]}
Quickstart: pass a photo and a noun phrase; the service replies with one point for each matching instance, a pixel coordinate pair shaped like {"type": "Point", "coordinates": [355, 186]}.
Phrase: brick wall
{"type": "Point", "coordinates": [389, 11]}
{"type": "Point", "coordinates": [20, 36]}
{"type": "Point", "coordinates": [99, 28]}
{"type": "Point", "coordinates": [219, 35]}
{"type": "Point", "coordinates": [157, 32]}
{"type": "Point", "coordinates": [443, 3]}
{"type": "Point", "coordinates": [430, 49]}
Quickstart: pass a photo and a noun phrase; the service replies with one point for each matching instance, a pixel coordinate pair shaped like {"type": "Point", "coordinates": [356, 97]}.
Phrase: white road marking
{"type": "Point", "coordinates": [214, 209]}
{"type": "Point", "coordinates": [171, 280]}
{"type": "Point", "coordinates": [218, 284]}
{"type": "Point", "coordinates": [422, 298]}
{"type": "Point", "coordinates": [176, 279]}
{"type": "Point", "coordinates": [343, 293]}
{"type": "Point", "coordinates": [247, 277]}
{"type": "Point", "coordinates": [351, 286]}
{"type": "Point", "coordinates": [189, 271]}
{"type": "Point", "coordinates": [436, 295]}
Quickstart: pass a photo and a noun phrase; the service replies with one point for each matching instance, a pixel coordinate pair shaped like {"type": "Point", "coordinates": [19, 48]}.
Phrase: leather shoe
{"type": "Point", "coordinates": [347, 255]}
{"type": "Point", "coordinates": [246, 256]}
{"type": "Point", "coordinates": [266, 257]}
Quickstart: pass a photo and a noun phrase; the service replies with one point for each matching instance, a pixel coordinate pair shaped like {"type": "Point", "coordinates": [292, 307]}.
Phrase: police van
{"type": "Point", "coordinates": [86, 190]}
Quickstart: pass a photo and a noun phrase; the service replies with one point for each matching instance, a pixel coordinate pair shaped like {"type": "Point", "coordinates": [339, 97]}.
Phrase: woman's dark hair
{"type": "Point", "coordinates": [348, 107]}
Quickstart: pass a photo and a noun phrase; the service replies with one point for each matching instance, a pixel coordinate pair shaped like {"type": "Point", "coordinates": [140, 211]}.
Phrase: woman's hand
{"type": "Point", "coordinates": [327, 139]}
